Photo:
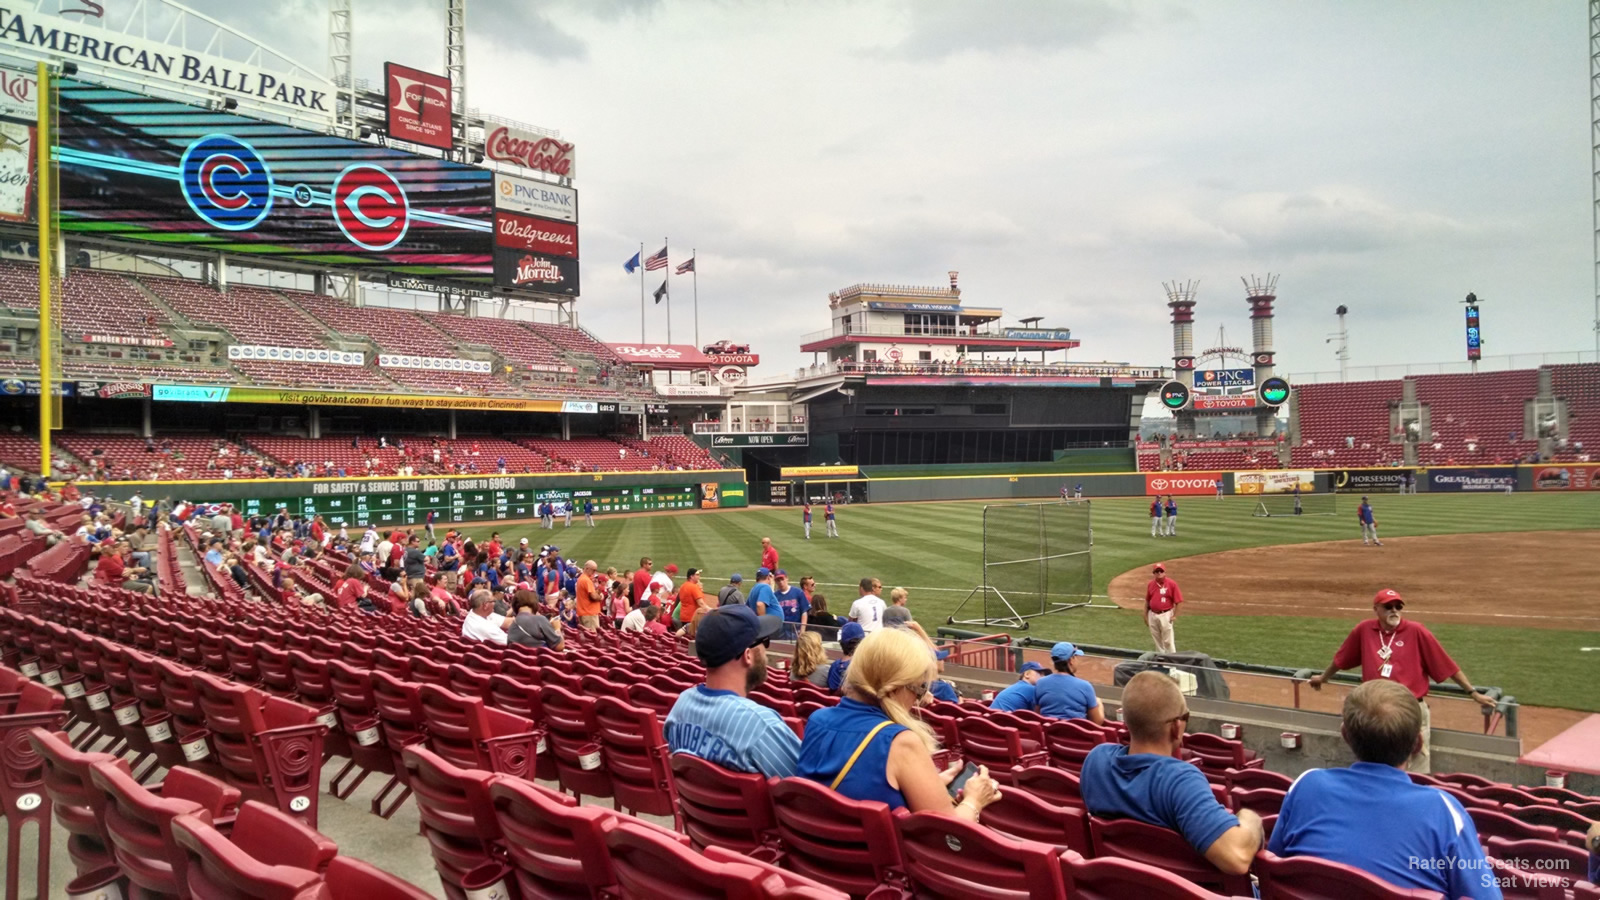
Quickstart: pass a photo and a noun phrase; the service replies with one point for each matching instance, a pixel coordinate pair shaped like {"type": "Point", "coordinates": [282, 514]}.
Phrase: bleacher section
{"type": "Point", "coordinates": [593, 454]}
{"type": "Point", "coordinates": [1579, 385]}
{"type": "Point", "coordinates": [1329, 413]}
{"type": "Point", "coordinates": [161, 458]}
{"type": "Point", "coordinates": [1475, 417]}
{"type": "Point", "coordinates": [94, 304]}
{"type": "Point", "coordinates": [677, 449]}
{"type": "Point", "coordinates": [252, 315]}
{"type": "Point", "coordinates": [520, 345]}
{"type": "Point", "coordinates": [454, 456]}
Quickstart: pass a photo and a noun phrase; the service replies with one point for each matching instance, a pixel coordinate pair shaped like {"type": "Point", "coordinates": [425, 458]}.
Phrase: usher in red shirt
{"type": "Point", "coordinates": [1159, 601]}
{"type": "Point", "coordinates": [1415, 654]}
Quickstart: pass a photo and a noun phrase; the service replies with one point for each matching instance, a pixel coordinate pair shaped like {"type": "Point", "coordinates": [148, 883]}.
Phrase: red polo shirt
{"type": "Point", "coordinates": [110, 569]}
{"type": "Point", "coordinates": [1160, 596]}
{"type": "Point", "coordinates": [641, 584]}
{"type": "Point", "coordinates": [769, 558]}
{"type": "Point", "coordinates": [1415, 654]}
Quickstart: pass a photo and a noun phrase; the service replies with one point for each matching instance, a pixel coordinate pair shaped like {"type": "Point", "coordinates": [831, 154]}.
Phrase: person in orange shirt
{"type": "Point", "coordinates": [693, 602]}
{"type": "Point", "coordinates": [589, 598]}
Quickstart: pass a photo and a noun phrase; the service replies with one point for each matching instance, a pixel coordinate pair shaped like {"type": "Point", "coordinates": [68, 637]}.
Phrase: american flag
{"type": "Point", "coordinates": [656, 260]}
{"type": "Point", "coordinates": [685, 267]}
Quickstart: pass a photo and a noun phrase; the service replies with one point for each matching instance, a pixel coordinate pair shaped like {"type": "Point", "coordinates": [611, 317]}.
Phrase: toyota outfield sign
{"type": "Point", "coordinates": [535, 198]}
{"type": "Point", "coordinates": [1181, 483]}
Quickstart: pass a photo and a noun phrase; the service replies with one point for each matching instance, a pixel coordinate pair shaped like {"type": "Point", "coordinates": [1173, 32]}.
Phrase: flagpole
{"type": "Point", "coordinates": [666, 275]}
{"type": "Point", "coordinates": [695, 255]}
{"type": "Point", "coordinates": [641, 292]}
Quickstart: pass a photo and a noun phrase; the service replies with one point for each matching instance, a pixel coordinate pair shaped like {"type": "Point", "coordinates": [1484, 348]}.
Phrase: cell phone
{"type": "Point", "coordinates": [960, 781]}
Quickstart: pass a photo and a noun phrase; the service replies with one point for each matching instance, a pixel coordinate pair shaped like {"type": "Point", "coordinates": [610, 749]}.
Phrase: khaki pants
{"type": "Point", "coordinates": [1422, 763]}
{"type": "Point", "coordinates": [589, 623]}
{"type": "Point", "coordinates": [1161, 631]}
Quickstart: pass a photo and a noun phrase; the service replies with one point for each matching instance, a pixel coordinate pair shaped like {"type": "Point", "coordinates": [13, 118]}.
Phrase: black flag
{"type": "Point", "coordinates": [660, 292]}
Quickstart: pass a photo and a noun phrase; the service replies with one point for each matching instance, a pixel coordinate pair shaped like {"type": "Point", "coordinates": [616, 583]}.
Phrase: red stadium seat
{"type": "Point", "coordinates": [1310, 878]}
{"type": "Point", "coordinates": [1050, 784]}
{"type": "Point", "coordinates": [652, 863]}
{"type": "Point", "coordinates": [22, 774]}
{"type": "Point", "coordinates": [1068, 741]}
{"type": "Point", "coordinates": [457, 815]}
{"type": "Point", "coordinates": [267, 856]}
{"type": "Point", "coordinates": [67, 784]}
{"type": "Point", "coordinates": [951, 859]}
{"type": "Point", "coordinates": [556, 847]}
{"type": "Point", "coordinates": [573, 739]}
{"type": "Point", "coordinates": [1162, 848]}
{"type": "Point", "coordinates": [352, 691]}
{"type": "Point", "coordinates": [465, 731]}
{"type": "Point", "coordinates": [268, 747]}
{"type": "Point", "coordinates": [1259, 778]}
{"type": "Point", "coordinates": [138, 821]}
{"type": "Point", "coordinates": [996, 746]}
{"type": "Point", "coordinates": [1026, 817]}
{"type": "Point", "coordinates": [1114, 879]}
{"type": "Point", "coordinates": [1216, 755]}
{"type": "Point", "coordinates": [851, 845]}
{"type": "Point", "coordinates": [636, 758]}
{"type": "Point", "coordinates": [723, 808]}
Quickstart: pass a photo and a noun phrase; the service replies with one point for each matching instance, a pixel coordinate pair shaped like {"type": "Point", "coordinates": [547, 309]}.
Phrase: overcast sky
{"type": "Point", "coordinates": [1066, 157]}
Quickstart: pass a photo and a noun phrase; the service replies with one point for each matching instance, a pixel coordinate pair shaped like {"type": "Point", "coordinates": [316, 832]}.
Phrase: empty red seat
{"type": "Point", "coordinates": [1027, 817]}
{"type": "Point", "coordinates": [268, 747]}
{"type": "Point", "coordinates": [952, 859]}
{"type": "Point", "coordinates": [351, 879]}
{"type": "Point", "coordinates": [138, 821]}
{"type": "Point", "coordinates": [999, 747]}
{"type": "Point", "coordinates": [573, 737]}
{"type": "Point", "coordinates": [1115, 879]}
{"type": "Point", "coordinates": [556, 847]}
{"type": "Point", "coordinates": [457, 815]}
{"type": "Point", "coordinates": [1260, 778]}
{"type": "Point", "coordinates": [1310, 878]}
{"type": "Point", "coordinates": [267, 856]}
{"type": "Point", "coordinates": [469, 733]}
{"type": "Point", "coordinates": [848, 844]}
{"type": "Point", "coordinates": [1068, 741]}
{"type": "Point", "coordinates": [67, 784]}
{"type": "Point", "coordinates": [22, 774]}
{"type": "Point", "coordinates": [654, 864]}
{"type": "Point", "coordinates": [1164, 849]}
{"type": "Point", "coordinates": [1050, 784]}
{"type": "Point", "coordinates": [724, 808]}
{"type": "Point", "coordinates": [636, 758]}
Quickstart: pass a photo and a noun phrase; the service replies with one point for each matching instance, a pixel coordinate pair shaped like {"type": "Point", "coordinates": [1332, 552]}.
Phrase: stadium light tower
{"type": "Point", "coordinates": [1341, 351]}
{"type": "Point", "coordinates": [1180, 299]}
{"type": "Point", "coordinates": [1261, 292]}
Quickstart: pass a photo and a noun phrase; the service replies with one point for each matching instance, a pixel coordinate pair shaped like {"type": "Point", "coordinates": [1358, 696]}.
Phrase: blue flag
{"type": "Point", "coordinates": [631, 264]}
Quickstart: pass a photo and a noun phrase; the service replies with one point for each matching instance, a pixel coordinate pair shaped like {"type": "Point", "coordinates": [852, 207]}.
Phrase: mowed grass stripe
{"type": "Point", "coordinates": [939, 545]}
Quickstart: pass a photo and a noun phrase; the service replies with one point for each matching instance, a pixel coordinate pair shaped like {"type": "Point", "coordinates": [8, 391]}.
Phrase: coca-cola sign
{"type": "Point", "coordinates": [538, 152]}
{"type": "Point", "coordinates": [542, 272]}
{"type": "Point", "coordinates": [538, 235]}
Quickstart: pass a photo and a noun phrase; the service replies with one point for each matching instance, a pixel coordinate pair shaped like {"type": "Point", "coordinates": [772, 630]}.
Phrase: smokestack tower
{"type": "Point", "coordinates": [1260, 294]}
{"type": "Point", "coordinates": [1181, 300]}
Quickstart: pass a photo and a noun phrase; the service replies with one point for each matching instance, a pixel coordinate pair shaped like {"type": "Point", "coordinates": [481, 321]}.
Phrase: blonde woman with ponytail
{"type": "Point", "coordinates": [871, 747]}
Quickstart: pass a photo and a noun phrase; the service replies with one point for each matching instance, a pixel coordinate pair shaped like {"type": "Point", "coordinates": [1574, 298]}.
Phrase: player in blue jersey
{"type": "Point", "coordinates": [1172, 516]}
{"type": "Point", "coordinates": [806, 518]}
{"type": "Point", "coordinates": [1369, 523]}
{"type": "Point", "coordinates": [827, 514]}
{"type": "Point", "coordinates": [588, 512]}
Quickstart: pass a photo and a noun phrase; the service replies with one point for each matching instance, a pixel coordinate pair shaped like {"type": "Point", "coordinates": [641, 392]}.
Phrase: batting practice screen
{"type": "Point", "coordinates": [1289, 505]}
{"type": "Point", "coordinates": [1036, 560]}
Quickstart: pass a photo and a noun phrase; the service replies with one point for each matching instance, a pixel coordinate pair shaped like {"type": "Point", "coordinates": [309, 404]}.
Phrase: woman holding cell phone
{"type": "Point", "coordinates": [870, 746]}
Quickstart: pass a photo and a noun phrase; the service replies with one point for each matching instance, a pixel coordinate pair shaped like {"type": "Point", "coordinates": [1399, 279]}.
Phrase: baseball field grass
{"type": "Point", "coordinates": [935, 551]}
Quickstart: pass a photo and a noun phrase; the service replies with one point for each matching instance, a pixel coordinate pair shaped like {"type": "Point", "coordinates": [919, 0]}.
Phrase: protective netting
{"type": "Point", "coordinates": [1303, 504]}
{"type": "Point", "coordinates": [1036, 560]}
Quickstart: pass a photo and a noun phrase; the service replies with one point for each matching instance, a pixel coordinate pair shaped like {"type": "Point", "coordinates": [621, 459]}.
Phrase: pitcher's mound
{"type": "Point", "coordinates": [1535, 579]}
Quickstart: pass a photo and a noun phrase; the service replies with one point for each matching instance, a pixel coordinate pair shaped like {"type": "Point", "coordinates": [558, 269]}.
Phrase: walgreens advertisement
{"type": "Point", "coordinates": [1181, 483]}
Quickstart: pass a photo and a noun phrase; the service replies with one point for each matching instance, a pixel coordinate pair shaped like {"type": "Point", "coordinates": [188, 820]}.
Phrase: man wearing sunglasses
{"type": "Point", "coordinates": [1146, 780]}
{"type": "Point", "coordinates": [1389, 647]}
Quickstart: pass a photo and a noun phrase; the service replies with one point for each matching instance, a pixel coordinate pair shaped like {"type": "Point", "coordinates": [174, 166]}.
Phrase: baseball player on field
{"type": "Point", "coordinates": [1369, 524]}
{"type": "Point", "coordinates": [1155, 517]}
{"type": "Point", "coordinates": [1172, 516]}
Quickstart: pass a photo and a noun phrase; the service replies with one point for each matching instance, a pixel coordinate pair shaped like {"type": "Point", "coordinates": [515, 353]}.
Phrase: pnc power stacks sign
{"type": "Point", "coordinates": [418, 106]}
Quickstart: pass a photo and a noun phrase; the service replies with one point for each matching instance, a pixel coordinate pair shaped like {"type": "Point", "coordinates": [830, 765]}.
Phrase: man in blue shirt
{"type": "Point", "coordinates": [1147, 782]}
{"type": "Point", "coordinates": [1064, 695]}
{"type": "Point", "coordinates": [761, 598]}
{"type": "Point", "coordinates": [1021, 694]}
{"type": "Point", "coordinates": [1371, 816]}
{"type": "Point", "coordinates": [715, 720]}
{"type": "Point", "coordinates": [850, 637]}
{"type": "Point", "coordinates": [792, 601]}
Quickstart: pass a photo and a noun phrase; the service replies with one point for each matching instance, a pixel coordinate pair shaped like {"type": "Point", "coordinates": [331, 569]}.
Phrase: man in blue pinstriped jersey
{"type": "Point", "coordinates": [715, 720]}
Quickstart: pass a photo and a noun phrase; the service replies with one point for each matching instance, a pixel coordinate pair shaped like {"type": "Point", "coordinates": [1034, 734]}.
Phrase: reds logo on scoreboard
{"type": "Point", "coordinates": [370, 207]}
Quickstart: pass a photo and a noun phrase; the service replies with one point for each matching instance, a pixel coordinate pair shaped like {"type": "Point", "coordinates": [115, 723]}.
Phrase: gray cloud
{"type": "Point", "coordinates": [940, 28]}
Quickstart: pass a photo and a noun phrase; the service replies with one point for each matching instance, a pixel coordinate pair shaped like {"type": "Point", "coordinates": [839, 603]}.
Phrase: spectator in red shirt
{"type": "Point", "coordinates": [769, 555]}
{"type": "Point", "coordinates": [641, 580]}
{"type": "Point", "coordinates": [494, 549]}
{"type": "Point", "coordinates": [352, 587]}
{"type": "Point", "coordinates": [1161, 599]}
{"type": "Point", "coordinates": [114, 570]}
{"type": "Point", "coordinates": [1386, 647]}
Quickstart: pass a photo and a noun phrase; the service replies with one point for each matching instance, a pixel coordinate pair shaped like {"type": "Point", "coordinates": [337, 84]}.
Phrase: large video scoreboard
{"type": "Point", "coordinates": [451, 503]}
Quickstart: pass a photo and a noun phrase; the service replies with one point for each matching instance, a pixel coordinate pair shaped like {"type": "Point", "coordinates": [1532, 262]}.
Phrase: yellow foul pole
{"type": "Point", "coordinates": [44, 194]}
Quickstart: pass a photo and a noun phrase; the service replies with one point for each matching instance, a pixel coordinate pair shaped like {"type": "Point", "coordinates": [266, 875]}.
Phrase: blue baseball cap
{"type": "Point", "coordinates": [735, 578]}
{"type": "Point", "coordinates": [1064, 650]}
{"type": "Point", "coordinates": [942, 653]}
{"type": "Point", "coordinates": [763, 572]}
{"type": "Point", "coordinates": [1029, 666]}
{"type": "Point", "coordinates": [728, 631]}
{"type": "Point", "coordinates": [852, 631]}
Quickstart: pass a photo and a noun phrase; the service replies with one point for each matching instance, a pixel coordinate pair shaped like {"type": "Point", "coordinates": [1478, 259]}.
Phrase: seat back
{"type": "Point", "coordinates": [987, 744]}
{"type": "Point", "coordinates": [138, 822]}
{"type": "Point", "coordinates": [1050, 784]}
{"type": "Point", "coordinates": [1262, 801]}
{"type": "Point", "coordinates": [73, 795]}
{"type": "Point", "coordinates": [1550, 857]}
{"type": "Point", "coordinates": [457, 816]}
{"type": "Point", "coordinates": [574, 740]}
{"type": "Point", "coordinates": [721, 807]}
{"type": "Point", "coordinates": [1493, 823]}
{"type": "Point", "coordinates": [1250, 779]}
{"type": "Point", "coordinates": [555, 847]}
{"type": "Point", "coordinates": [270, 856]}
{"type": "Point", "coordinates": [636, 757]}
{"type": "Point", "coordinates": [1311, 878]}
{"type": "Point", "coordinates": [652, 862]}
{"type": "Point", "coordinates": [847, 844]}
{"type": "Point", "coordinates": [952, 859]}
{"type": "Point", "coordinates": [651, 697]}
{"type": "Point", "coordinates": [1162, 848]}
{"type": "Point", "coordinates": [1027, 817]}
{"type": "Point", "coordinates": [1068, 741]}
{"type": "Point", "coordinates": [1115, 879]}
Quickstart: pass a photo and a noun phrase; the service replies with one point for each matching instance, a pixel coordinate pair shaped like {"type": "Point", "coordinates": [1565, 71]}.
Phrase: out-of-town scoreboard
{"type": "Point", "coordinates": [486, 505]}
